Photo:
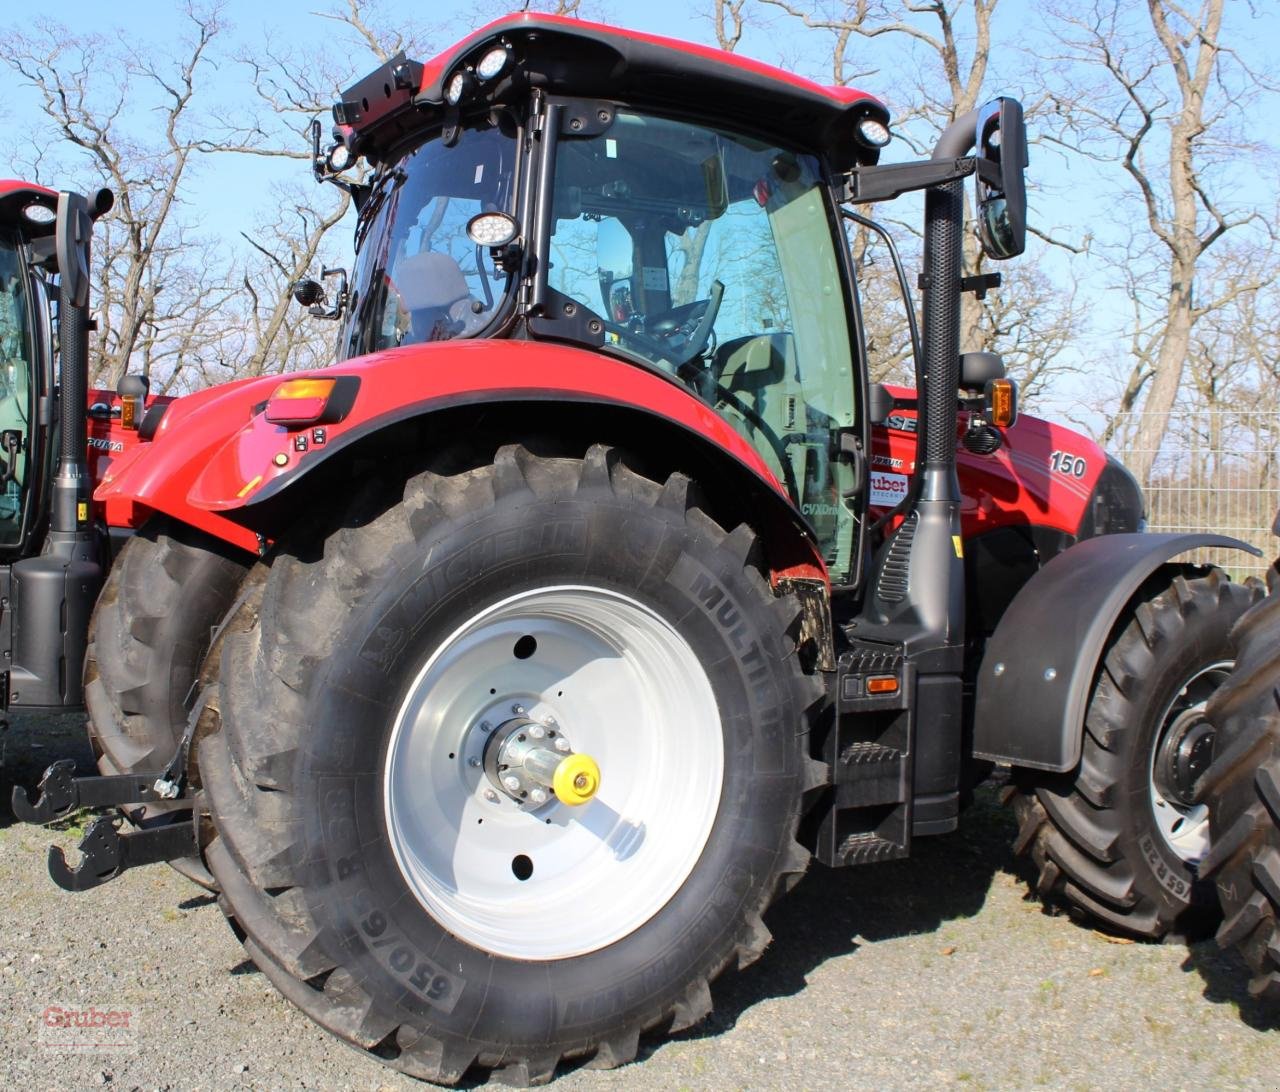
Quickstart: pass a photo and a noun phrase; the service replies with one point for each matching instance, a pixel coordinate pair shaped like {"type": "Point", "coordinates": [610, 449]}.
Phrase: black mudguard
{"type": "Point", "coordinates": [1039, 665]}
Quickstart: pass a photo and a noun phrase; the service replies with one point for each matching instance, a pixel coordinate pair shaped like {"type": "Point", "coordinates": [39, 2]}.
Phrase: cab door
{"type": "Point", "coordinates": [25, 366]}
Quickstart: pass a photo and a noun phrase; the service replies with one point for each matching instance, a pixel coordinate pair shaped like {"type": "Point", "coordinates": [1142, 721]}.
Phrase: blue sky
{"type": "Point", "coordinates": [1074, 195]}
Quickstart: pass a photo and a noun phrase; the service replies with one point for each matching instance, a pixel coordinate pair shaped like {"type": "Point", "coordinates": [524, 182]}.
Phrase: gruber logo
{"type": "Point", "coordinates": [887, 489]}
{"type": "Point", "coordinates": [87, 1031]}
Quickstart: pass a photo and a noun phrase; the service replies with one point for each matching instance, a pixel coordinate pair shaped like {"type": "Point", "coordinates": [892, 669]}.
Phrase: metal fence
{"type": "Point", "coordinates": [1217, 470]}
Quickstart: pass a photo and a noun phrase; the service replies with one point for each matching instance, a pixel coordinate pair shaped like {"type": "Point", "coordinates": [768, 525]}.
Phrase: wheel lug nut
{"type": "Point", "coordinates": [512, 783]}
{"type": "Point", "coordinates": [518, 710]}
{"type": "Point", "coordinates": [562, 744]}
{"type": "Point", "coordinates": [549, 721]}
{"type": "Point", "coordinates": [538, 796]}
{"type": "Point", "coordinates": [473, 762]}
{"type": "Point", "coordinates": [491, 796]}
{"type": "Point", "coordinates": [536, 731]}
{"type": "Point", "coordinates": [485, 726]}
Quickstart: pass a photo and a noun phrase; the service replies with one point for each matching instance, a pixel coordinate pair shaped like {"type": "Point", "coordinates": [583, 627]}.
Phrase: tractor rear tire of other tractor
{"type": "Point", "coordinates": [1119, 839]}
{"type": "Point", "coordinates": [384, 846]}
{"type": "Point", "coordinates": [168, 589]}
{"type": "Point", "coordinates": [1242, 791]}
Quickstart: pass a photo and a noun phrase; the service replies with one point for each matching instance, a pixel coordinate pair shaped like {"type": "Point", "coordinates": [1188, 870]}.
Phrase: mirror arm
{"type": "Point", "coordinates": [864, 185]}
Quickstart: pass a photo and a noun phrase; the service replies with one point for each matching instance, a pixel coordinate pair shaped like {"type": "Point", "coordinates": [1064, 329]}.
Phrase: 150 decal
{"type": "Point", "coordinates": [1064, 462]}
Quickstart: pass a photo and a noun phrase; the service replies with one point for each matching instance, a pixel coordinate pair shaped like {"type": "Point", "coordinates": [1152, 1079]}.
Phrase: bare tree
{"type": "Point", "coordinates": [153, 308]}
{"type": "Point", "coordinates": [1162, 109]}
{"type": "Point", "coordinates": [297, 236]}
{"type": "Point", "coordinates": [1028, 317]}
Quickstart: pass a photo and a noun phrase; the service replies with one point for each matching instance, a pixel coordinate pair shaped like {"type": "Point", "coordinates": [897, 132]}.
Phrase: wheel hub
{"type": "Point", "coordinates": [1182, 751]}
{"type": "Point", "coordinates": [1185, 754]}
{"type": "Point", "coordinates": [591, 679]}
{"type": "Point", "coordinates": [531, 761]}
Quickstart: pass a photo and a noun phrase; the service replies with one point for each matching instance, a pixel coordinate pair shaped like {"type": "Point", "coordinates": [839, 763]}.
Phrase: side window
{"type": "Point", "coordinates": [419, 276]}
{"type": "Point", "coordinates": [16, 364]}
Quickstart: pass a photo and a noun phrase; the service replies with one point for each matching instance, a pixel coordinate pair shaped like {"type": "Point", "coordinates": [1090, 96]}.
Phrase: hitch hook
{"type": "Point", "coordinates": [56, 795]}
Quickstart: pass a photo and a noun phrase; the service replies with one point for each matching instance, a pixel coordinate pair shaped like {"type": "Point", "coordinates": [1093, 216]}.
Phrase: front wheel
{"type": "Point", "coordinates": [1120, 838]}
{"type": "Point", "coordinates": [509, 771]}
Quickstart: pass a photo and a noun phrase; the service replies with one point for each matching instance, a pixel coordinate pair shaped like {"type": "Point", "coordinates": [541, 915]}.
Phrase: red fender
{"type": "Point", "coordinates": [214, 456]}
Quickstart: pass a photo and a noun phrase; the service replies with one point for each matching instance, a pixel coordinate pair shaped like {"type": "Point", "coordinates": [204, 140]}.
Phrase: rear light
{"type": "Point", "coordinates": [299, 401]}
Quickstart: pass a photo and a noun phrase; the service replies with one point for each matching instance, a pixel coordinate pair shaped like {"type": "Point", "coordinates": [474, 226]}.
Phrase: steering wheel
{"type": "Point", "coordinates": [696, 321]}
{"type": "Point", "coordinates": [678, 336]}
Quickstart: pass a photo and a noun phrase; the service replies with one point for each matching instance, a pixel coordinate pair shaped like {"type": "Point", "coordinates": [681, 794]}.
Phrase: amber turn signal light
{"type": "Point", "coordinates": [882, 684]}
{"type": "Point", "coordinates": [299, 401]}
{"type": "Point", "coordinates": [1001, 402]}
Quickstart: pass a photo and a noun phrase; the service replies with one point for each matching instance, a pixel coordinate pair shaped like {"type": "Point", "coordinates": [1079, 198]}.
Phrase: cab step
{"type": "Point", "coordinates": [869, 751]}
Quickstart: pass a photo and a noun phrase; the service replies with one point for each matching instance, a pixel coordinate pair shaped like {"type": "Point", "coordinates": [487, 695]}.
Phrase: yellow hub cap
{"type": "Point", "coordinates": [576, 780]}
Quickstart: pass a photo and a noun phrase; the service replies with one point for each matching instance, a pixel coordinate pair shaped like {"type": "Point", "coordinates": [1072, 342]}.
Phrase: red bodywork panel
{"type": "Point", "coordinates": [109, 441]}
{"type": "Point", "coordinates": [213, 454]}
{"type": "Point", "coordinates": [1042, 476]}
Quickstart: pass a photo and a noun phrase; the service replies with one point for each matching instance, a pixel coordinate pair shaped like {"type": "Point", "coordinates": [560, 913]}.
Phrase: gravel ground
{"type": "Point", "coordinates": [936, 971]}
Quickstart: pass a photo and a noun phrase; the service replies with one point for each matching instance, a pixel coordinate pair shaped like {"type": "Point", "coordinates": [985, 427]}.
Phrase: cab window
{"type": "Point", "coordinates": [712, 257]}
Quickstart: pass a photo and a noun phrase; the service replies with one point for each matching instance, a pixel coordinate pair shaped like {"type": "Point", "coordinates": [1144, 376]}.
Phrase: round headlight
{"type": "Point", "coordinates": [491, 229]}
{"type": "Point", "coordinates": [39, 214]}
{"type": "Point", "coordinates": [339, 158]}
{"type": "Point", "coordinates": [873, 132]}
{"type": "Point", "coordinates": [493, 62]}
{"type": "Point", "coordinates": [457, 87]}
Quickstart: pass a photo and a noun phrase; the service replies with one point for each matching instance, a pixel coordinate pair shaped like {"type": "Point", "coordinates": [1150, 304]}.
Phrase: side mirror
{"type": "Point", "coordinates": [1001, 141]}
{"type": "Point", "coordinates": [977, 368]}
{"type": "Point", "coordinates": [879, 404]}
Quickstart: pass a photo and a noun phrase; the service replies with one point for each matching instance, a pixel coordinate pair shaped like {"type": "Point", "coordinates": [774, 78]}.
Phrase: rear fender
{"type": "Point", "coordinates": [256, 476]}
{"type": "Point", "coordinates": [1039, 665]}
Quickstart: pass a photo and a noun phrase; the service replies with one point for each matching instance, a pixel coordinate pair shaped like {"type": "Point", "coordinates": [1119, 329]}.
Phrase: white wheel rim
{"type": "Point", "coordinates": [1185, 829]}
{"type": "Point", "coordinates": [624, 687]}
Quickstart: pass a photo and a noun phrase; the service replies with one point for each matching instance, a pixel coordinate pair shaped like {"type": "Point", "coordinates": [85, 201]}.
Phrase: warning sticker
{"type": "Point", "coordinates": [887, 489]}
{"type": "Point", "coordinates": [655, 278]}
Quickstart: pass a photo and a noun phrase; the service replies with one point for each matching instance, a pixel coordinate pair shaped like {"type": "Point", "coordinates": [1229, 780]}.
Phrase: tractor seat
{"type": "Point", "coordinates": [434, 291]}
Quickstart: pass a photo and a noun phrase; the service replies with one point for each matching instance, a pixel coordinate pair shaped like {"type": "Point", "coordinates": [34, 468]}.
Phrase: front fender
{"type": "Point", "coordinates": [157, 475]}
{"type": "Point", "coordinates": [225, 463]}
{"type": "Point", "coordinates": [1039, 665]}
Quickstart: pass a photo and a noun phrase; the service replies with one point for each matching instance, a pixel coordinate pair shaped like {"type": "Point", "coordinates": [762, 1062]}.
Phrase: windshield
{"type": "Point", "coordinates": [418, 277]}
{"type": "Point", "coordinates": [16, 357]}
{"type": "Point", "coordinates": [713, 257]}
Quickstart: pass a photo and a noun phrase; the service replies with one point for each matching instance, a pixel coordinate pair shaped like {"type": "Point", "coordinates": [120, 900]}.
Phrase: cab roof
{"type": "Point", "coordinates": [572, 57]}
{"type": "Point", "coordinates": [16, 197]}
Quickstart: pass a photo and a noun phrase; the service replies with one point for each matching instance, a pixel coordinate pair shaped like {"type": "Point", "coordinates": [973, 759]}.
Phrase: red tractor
{"type": "Point", "coordinates": [547, 636]}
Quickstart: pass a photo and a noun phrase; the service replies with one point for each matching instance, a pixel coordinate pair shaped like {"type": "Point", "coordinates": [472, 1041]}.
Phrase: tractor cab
{"type": "Point", "coordinates": [703, 245]}
{"type": "Point", "coordinates": [684, 217]}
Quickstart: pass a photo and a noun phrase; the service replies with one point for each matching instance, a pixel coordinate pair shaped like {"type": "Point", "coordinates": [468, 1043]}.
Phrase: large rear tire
{"type": "Point", "coordinates": [1119, 839]}
{"type": "Point", "coordinates": [1242, 790]}
{"type": "Point", "coordinates": [382, 863]}
{"type": "Point", "coordinates": [168, 589]}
